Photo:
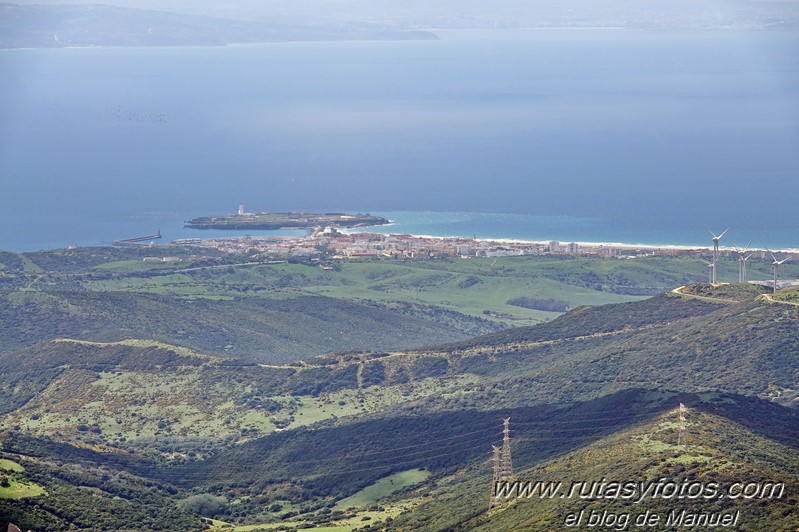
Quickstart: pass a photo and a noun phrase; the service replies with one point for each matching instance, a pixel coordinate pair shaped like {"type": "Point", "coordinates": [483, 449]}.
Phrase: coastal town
{"type": "Point", "coordinates": [331, 243]}
{"type": "Point", "coordinates": [336, 236]}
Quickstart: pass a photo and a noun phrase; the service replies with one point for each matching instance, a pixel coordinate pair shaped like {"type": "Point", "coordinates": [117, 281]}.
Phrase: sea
{"type": "Point", "coordinates": [607, 135]}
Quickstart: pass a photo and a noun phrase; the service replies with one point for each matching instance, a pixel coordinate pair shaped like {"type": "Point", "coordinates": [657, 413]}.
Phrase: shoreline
{"type": "Point", "coordinates": [581, 243]}
{"type": "Point", "coordinates": [460, 227]}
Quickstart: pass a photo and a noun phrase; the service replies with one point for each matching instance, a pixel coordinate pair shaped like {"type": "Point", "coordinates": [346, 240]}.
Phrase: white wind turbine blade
{"type": "Point", "coordinates": [772, 255]}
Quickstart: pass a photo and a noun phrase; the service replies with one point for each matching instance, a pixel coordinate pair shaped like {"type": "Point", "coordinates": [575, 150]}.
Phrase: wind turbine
{"type": "Point", "coordinates": [716, 251]}
{"type": "Point", "coordinates": [776, 265]}
{"type": "Point", "coordinates": [743, 266]}
{"type": "Point", "coordinates": [710, 271]}
{"type": "Point", "coordinates": [742, 258]}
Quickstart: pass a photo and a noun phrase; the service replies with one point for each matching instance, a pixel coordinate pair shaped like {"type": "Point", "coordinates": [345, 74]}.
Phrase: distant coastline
{"type": "Point", "coordinates": [482, 227]}
{"type": "Point", "coordinates": [617, 245]}
{"type": "Point", "coordinates": [386, 226]}
{"type": "Point", "coordinates": [97, 25]}
{"type": "Point", "coordinates": [532, 229]}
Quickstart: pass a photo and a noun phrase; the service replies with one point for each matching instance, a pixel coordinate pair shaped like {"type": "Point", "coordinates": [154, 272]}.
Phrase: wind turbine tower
{"type": "Point", "coordinates": [710, 268]}
{"type": "Point", "coordinates": [743, 266]}
{"type": "Point", "coordinates": [742, 258]}
{"type": "Point", "coordinates": [776, 265]}
{"type": "Point", "coordinates": [716, 251]}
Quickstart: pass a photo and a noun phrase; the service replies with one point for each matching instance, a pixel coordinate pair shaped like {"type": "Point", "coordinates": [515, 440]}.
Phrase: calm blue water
{"type": "Point", "coordinates": [537, 228]}
{"type": "Point", "coordinates": [642, 137]}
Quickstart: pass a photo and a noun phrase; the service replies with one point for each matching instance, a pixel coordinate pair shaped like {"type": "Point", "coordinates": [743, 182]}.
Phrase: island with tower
{"type": "Point", "coordinates": [284, 220]}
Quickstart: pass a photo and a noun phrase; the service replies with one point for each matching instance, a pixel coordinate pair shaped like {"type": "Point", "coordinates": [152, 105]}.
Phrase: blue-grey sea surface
{"type": "Point", "coordinates": [603, 135]}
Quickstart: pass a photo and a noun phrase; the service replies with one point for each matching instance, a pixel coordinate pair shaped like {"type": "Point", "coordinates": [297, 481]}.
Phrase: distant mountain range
{"type": "Point", "coordinates": [44, 24]}
{"type": "Point", "coordinates": [56, 26]}
{"type": "Point", "coordinates": [367, 15]}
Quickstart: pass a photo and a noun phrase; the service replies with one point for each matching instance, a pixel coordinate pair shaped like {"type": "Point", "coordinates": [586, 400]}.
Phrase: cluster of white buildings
{"type": "Point", "coordinates": [331, 243]}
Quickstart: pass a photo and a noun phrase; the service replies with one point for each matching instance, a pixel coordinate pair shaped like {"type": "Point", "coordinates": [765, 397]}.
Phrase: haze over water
{"type": "Point", "coordinates": [603, 135]}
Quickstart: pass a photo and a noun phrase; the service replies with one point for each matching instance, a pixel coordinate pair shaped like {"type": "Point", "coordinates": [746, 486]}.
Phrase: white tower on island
{"type": "Point", "coordinates": [241, 209]}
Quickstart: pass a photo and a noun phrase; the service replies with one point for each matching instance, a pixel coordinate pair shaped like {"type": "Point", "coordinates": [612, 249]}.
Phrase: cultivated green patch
{"type": "Point", "coordinates": [10, 465]}
{"type": "Point", "coordinates": [19, 489]}
{"type": "Point", "coordinates": [383, 488]}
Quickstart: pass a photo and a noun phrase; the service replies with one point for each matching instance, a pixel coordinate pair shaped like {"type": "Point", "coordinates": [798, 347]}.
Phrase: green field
{"type": "Point", "coordinates": [12, 487]}
{"type": "Point", "coordinates": [20, 490]}
{"type": "Point", "coordinates": [10, 465]}
{"type": "Point", "coordinates": [466, 286]}
{"type": "Point", "coordinates": [384, 488]}
{"type": "Point", "coordinates": [470, 286]}
{"type": "Point", "coordinates": [278, 312]}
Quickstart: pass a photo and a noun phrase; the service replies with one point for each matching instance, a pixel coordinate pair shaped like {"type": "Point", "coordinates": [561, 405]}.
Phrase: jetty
{"type": "Point", "coordinates": [137, 241]}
